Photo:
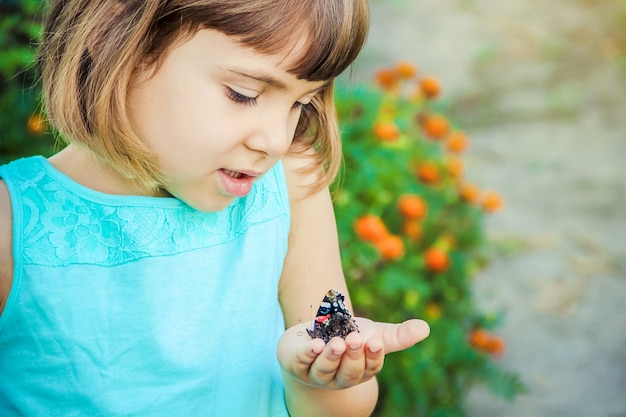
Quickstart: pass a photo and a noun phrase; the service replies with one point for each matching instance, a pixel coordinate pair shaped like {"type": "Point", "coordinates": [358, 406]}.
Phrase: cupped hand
{"type": "Point", "coordinates": [345, 363]}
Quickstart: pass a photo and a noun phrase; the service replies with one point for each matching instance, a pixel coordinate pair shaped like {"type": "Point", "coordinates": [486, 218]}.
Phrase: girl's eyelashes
{"type": "Point", "coordinates": [251, 101]}
{"type": "Point", "coordinates": [240, 98]}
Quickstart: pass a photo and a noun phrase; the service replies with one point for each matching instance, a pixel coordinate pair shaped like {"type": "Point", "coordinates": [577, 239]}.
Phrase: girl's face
{"type": "Point", "coordinates": [218, 115]}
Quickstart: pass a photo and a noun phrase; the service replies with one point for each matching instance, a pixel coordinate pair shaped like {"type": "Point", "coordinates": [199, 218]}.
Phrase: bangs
{"type": "Point", "coordinates": [334, 30]}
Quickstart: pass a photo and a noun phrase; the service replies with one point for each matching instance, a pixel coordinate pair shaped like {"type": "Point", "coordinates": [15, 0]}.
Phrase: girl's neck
{"type": "Point", "coordinates": [85, 168]}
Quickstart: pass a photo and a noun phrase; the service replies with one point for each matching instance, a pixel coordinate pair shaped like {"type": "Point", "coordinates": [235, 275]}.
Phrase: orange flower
{"type": "Point", "coordinates": [436, 260]}
{"type": "Point", "coordinates": [457, 142]}
{"type": "Point", "coordinates": [391, 247]}
{"type": "Point", "coordinates": [412, 206]}
{"type": "Point", "coordinates": [495, 345]}
{"type": "Point", "coordinates": [36, 124]}
{"type": "Point", "coordinates": [412, 229]}
{"type": "Point", "coordinates": [479, 338]}
{"type": "Point", "coordinates": [469, 192]}
{"type": "Point", "coordinates": [455, 167]}
{"type": "Point", "coordinates": [430, 87]}
{"type": "Point", "coordinates": [428, 172]}
{"type": "Point", "coordinates": [387, 79]}
{"type": "Point", "coordinates": [386, 131]}
{"type": "Point", "coordinates": [435, 126]}
{"type": "Point", "coordinates": [482, 340]}
{"type": "Point", "coordinates": [492, 202]}
{"type": "Point", "coordinates": [406, 70]}
{"type": "Point", "coordinates": [370, 228]}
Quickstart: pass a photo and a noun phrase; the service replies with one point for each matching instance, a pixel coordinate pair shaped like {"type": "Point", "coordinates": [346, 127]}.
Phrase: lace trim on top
{"type": "Point", "coordinates": [66, 223]}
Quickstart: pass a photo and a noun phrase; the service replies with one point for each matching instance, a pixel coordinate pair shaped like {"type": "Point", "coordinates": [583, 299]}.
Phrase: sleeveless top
{"type": "Point", "coordinates": [141, 306]}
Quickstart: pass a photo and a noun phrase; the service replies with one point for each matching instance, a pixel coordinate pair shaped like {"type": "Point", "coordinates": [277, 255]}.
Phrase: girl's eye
{"type": "Point", "coordinates": [240, 98]}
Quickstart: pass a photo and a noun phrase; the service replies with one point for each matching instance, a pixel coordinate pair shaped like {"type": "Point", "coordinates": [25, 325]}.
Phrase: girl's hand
{"type": "Point", "coordinates": [345, 363]}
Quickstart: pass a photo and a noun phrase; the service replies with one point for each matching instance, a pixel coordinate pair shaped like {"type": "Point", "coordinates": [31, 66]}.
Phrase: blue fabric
{"type": "Point", "coordinates": [141, 306]}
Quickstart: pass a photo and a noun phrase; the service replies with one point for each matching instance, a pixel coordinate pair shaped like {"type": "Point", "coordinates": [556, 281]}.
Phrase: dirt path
{"type": "Point", "coordinates": [536, 86]}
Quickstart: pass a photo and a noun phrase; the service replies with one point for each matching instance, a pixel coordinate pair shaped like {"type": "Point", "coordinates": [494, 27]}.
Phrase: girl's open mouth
{"type": "Point", "coordinates": [234, 174]}
{"type": "Point", "coordinates": [237, 184]}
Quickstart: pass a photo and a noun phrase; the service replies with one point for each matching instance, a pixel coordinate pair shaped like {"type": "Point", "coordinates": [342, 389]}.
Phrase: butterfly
{"type": "Point", "coordinates": [333, 318]}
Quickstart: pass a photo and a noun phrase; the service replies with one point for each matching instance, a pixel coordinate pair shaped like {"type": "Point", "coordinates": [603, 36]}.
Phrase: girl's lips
{"type": "Point", "coordinates": [236, 183]}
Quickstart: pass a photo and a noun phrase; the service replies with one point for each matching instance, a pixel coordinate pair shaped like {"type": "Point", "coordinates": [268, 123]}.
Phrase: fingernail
{"type": "Point", "coordinates": [374, 349]}
{"type": "Point", "coordinates": [355, 346]}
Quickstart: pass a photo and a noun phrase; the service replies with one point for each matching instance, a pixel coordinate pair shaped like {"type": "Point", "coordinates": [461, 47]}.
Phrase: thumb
{"type": "Point", "coordinates": [404, 335]}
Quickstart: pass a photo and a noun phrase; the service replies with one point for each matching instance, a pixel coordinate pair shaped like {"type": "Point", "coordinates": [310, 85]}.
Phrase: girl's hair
{"type": "Point", "coordinates": [92, 49]}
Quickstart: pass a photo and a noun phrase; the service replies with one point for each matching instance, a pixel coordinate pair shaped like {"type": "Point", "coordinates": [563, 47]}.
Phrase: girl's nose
{"type": "Point", "coordinates": [273, 136]}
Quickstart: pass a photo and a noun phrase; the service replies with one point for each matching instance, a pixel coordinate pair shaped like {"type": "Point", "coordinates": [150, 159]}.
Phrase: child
{"type": "Point", "coordinates": [151, 267]}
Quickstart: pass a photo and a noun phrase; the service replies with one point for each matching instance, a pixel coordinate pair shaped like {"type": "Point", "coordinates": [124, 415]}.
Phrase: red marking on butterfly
{"type": "Point", "coordinates": [322, 319]}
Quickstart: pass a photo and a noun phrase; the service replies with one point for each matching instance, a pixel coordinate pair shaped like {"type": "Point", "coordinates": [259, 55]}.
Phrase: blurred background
{"type": "Point", "coordinates": [540, 90]}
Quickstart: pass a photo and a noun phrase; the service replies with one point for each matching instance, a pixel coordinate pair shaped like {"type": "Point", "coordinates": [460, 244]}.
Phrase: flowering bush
{"type": "Point", "coordinates": [24, 128]}
{"type": "Point", "coordinates": [411, 235]}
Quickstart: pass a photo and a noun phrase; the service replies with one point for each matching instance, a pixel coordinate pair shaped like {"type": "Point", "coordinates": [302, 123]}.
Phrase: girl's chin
{"type": "Point", "coordinates": [211, 205]}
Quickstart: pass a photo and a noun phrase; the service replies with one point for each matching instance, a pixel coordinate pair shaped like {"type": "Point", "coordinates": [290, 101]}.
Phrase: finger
{"type": "Point", "coordinates": [404, 335]}
{"type": "Point", "coordinates": [374, 358]}
{"type": "Point", "coordinates": [352, 367]}
{"type": "Point", "coordinates": [305, 356]}
{"type": "Point", "coordinates": [324, 368]}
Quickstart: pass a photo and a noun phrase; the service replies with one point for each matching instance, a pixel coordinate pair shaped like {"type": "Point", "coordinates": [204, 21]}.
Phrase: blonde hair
{"type": "Point", "coordinates": [91, 50]}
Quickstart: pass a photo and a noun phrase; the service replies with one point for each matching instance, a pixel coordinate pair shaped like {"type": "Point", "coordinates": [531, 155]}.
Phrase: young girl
{"type": "Point", "coordinates": [152, 266]}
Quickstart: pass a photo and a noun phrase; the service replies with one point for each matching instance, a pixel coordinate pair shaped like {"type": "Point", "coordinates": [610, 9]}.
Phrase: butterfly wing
{"type": "Point", "coordinates": [333, 318]}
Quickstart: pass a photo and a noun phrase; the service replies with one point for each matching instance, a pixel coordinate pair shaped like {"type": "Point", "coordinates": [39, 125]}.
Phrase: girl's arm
{"type": "Point", "coordinates": [6, 257]}
{"type": "Point", "coordinates": [337, 379]}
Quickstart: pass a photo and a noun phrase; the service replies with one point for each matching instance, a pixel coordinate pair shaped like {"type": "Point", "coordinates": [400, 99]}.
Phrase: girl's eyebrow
{"type": "Point", "coordinates": [271, 81]}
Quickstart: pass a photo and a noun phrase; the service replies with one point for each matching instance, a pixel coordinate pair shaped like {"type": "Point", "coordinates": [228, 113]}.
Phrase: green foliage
{"type": "Point", "coordinates": [433, 378]}
{"type": "Point", "coordinates": [24, 130]}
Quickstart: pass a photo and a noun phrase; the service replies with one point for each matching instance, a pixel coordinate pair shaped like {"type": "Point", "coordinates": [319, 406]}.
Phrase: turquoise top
{"type": "Point", "coordinates": [141, 306]}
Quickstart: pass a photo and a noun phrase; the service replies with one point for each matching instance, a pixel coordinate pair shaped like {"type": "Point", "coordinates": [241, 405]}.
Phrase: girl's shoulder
{"type": "Point", "coordinates": [6, 238]}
